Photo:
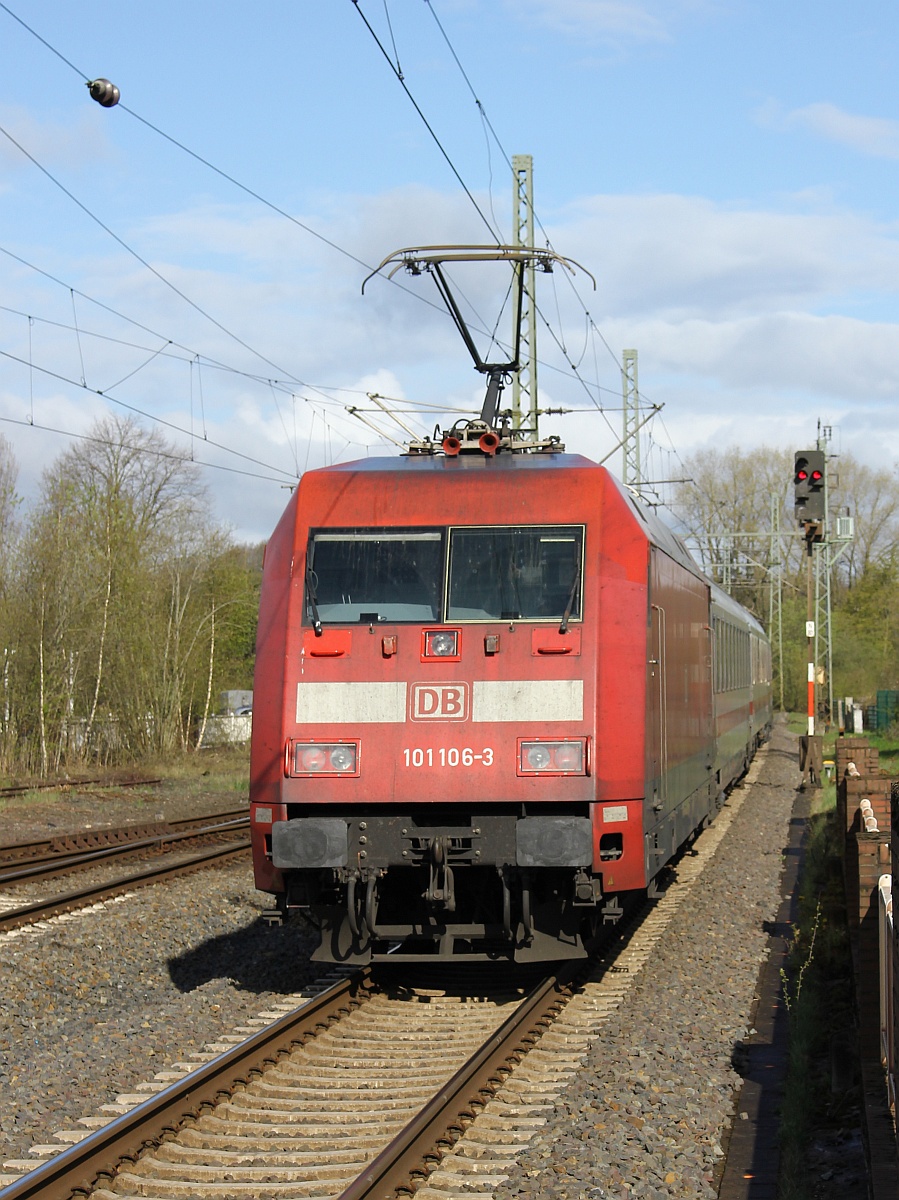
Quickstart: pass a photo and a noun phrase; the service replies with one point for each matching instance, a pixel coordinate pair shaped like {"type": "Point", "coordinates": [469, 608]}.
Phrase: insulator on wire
{"type": "Point", "coordinates": [104, 92]}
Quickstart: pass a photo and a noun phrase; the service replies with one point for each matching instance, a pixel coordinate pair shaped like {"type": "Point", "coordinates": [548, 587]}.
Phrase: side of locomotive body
{"type": "Point", "coordinates": [493, 696]}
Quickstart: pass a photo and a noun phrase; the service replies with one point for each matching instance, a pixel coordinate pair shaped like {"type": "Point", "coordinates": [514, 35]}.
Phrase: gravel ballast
{"type": "Point", "coordinates": [97, 1003]}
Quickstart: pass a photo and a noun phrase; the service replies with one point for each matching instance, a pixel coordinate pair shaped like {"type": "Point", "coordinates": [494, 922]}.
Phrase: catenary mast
{"type": "Point", "coordinates": [524, 383]}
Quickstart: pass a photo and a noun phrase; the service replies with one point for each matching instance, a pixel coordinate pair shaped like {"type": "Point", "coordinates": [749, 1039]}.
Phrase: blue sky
{"type": "Point", "coordinates": [726, 169]}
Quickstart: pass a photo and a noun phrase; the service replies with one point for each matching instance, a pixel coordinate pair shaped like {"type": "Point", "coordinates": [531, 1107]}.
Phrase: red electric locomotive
{"type": "Point", "coordinates": [494, 696]}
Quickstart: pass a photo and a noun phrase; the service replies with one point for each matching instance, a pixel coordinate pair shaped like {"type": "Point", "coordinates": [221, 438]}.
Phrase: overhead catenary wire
{"type": "Point", "coordinates": [559, 342]}
{"type": "Point", "coordinates": [452, 166]}
{"type": "Point", "coordinates": [249, 191]}
{"type": "Point", "coordinates": [508, 160]}
{"type": "Point", "coordinates": [290, 384]}
{"type": "Point", "coordinates": [175, 350]}
{"type": "Point", "coordinates": [172, 348]}
{"type": "Point", "coordinates": [106, 394]}
{"type": "Point", "coordinates": [130, 250]}
{"type": "Point", "coordinates": [284, 478]}
{"type": "Point", "coordinates": [153, 354]}
{"type": "Point", "coordinates": [173, 455]}
{"type": "Point", "coordinates": [149, 124]}
{"type": "Point", "coordinates": [485, 120]}
{"type": "Point", "coordinates": [180, 352]}
{"type": "Point", "coordinates": [489, 125]}
{"type": "Point", "coordinates": [393, 39]}
{"type": "Point", "coordinates": [89, 437]}
{"type": "Point", "coordinates": [276, 208]}
{"type": "Point", "coordinates": [220, 172]}
{"type": "Point", "coordinates": [44, 41]}
{"type": "Point", "coordinates": [224, 175]}
{"type": "Point", "coordinates": [167, 343]}
{"type": "Point", "coordinates": [196, 362]}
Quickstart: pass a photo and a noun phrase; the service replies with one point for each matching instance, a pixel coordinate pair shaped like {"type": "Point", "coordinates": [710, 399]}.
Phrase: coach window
{"type": "Point", "coordinates": [515, 573]}
{"type": "Point", "coordinates": [725, 673]}
{"type": "Point", "coordinates": [375, 575]}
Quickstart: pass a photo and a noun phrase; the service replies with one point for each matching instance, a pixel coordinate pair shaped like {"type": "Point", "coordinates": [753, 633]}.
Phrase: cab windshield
{"type": "Point", "coordinates": [521, 574]}
{"type": "Point", "coordinates": [376, 575]}
{"type": "Point", "coordinates": [480, 573]}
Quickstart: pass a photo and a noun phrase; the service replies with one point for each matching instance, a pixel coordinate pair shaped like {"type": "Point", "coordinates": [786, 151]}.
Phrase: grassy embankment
{"type": "Point", "coordinates": [221, 772]}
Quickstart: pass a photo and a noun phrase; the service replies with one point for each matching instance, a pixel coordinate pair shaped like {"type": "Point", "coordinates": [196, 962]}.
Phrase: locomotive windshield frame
{"type": "Point", "coordinates": [460, 574]}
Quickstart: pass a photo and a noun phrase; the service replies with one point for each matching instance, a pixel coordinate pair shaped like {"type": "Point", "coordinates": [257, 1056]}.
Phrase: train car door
{"type": "Point", "coordinates": [656, 712]}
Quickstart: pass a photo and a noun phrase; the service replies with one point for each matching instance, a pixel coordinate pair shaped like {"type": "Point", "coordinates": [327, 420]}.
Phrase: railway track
{"type": "Point", "coordinates": [68, 785]}
{"type": "Point", "coordinates": [367, 1091]}
{"type": "Point", "coordinates": [63, 845]}
{"type": "Point", "coordinates": [63, 856]}
{"type": "Point", "coordinates": [309, 1100]}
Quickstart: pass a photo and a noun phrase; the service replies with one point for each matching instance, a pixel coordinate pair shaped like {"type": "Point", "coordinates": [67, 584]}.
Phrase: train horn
{"type": "Point", "coordinates": [488, 442]}
{"type": "Point", "coordinates": [451, 446]}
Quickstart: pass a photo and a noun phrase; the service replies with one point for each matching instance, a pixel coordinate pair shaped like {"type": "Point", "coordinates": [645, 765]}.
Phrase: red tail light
{"type": "Point", "coordinates": [324, 758]}
{"type": "Point", "coordinates": [567, 757]}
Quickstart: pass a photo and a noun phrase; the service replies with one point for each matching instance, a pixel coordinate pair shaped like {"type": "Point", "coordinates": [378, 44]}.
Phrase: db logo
{"type": "Point", "coordinates": [439, 702]}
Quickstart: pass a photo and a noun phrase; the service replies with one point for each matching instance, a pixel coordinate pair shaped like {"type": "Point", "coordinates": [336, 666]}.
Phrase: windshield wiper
{"type": "Point", "coordinates": [563, 628]}
{"type": "Point", "coordinates": [310, 591]}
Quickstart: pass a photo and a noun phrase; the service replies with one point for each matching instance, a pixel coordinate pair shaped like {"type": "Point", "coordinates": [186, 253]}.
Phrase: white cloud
{"type": "Point", "coordinates": [631, 20]}
{"type": "Point", "coordinates": [749, 323]}
{"type": "Point", "coordinates": [687, 257]}
{"type": "Point", "coordinates": [835, 358]}
{"type": "Point", "coordinates": [71, 144]}
{"type": "Point", "coordinates": [877, 137]}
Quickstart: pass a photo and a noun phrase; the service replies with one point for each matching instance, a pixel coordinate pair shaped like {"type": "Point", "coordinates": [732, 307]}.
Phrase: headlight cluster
{"type": "Point", "coordinates": [440, 643]}
{"type": "Point", "coordinates": [552, 758]}
{"type": "Point", "coordinates": [325, 758]}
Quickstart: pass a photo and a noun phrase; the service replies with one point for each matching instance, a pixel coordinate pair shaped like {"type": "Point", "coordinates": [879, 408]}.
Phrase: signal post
{"type": "Point", "coordinates": [809, 483]}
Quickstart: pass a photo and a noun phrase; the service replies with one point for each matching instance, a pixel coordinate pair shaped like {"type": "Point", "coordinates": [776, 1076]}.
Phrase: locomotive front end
{"type": "Point", "coordinates": [423, 775]}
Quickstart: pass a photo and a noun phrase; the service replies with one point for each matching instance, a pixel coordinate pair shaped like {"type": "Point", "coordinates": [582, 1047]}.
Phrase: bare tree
{"type": "Point", "coordinates": [725, 516]}
{"type": "Point", "coordinates": [116, 512]}
{"type": "Point", "coordinates": [872, 499]}
{"type": "Point", "coordinates": [9, 505]}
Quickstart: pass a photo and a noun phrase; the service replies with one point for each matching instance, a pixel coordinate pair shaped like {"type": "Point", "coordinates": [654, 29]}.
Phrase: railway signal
{"type": "Point", "coordinates": [809, 482]}
{"type": "Point", "coordinates": [808, 485]}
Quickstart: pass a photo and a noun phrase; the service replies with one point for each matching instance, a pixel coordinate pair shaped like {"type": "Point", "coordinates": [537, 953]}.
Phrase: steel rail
{"type": "Point", "coordinates": [99, 1154]}
{"type": "Point", "coordinates": [407, 1160]}
{"type": "Point", "coordinates": [55, 905]}
{"type": "Point", "coordinates": [67, 785]}
{"type": "Point", "coordinates": [83, 839]}
{"type": "Point", "coordinates": [24, 871]}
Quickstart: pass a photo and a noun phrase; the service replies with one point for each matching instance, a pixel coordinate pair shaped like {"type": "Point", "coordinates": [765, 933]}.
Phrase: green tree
{"type": "Point", "coordinates": [866, 646]}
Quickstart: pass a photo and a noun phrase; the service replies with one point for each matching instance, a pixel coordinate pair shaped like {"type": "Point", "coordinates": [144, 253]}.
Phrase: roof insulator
{"type": "Point", "coordinates": [104, 92]}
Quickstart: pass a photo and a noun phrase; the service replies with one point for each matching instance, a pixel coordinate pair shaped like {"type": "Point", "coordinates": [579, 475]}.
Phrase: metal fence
{"type": "Point", "coordinates": [887, 976]}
